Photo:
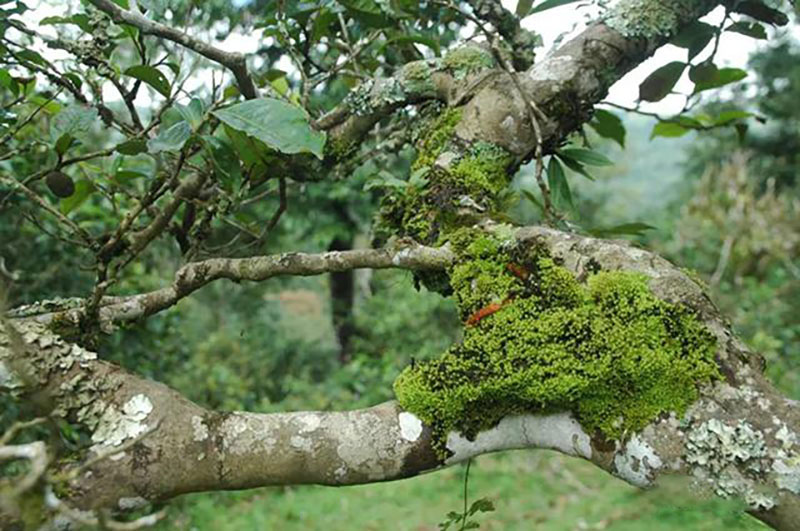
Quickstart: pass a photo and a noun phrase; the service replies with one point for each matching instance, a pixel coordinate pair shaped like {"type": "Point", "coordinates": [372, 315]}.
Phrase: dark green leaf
{"type": "Point", "coordinates": [131, 147]}
{"type": "Point", "coordinates": [760, 11]}
{"type": "Point", "coordinates": [170, 139]}
{"type": "Point", "coordinates": [483, 505]}
{"type": "Point", "coordinates": [81, 20]}
{"type": "Point", "coordinates": [63, 143]}
{"type": "Point", "coordinates": [278, 124]}
{"type": "Point", "coordinates": [585, 156]}
{"type": "Point", "coordinates": [724, 76]}
{"type": "Point", "coordinates": [703, 73]}
{"type": "Point", "coordinates": [152, 76]}
{"type": "Point", "coordinates": [751, 29]}
{"type": "Point", "coordinates": [124, 176]}
{"type": "Point", "coordinates": [669, 130]}
{"type": "Point", "coordinates": [661, 82]}
{"type": "Point", "coordinates": [550, 4]}
{"type": "Point", "coordinates": [227, 167]}
{"type": "Point", "coordinates": [559, 187]}
{"type": "Point", "coordinates": [32, 56]}
{"type": "Point", "coordinates": [695, 37]}
{"type": "Point", "coordinates": [533, 199]}
{"type": "Point", "coordinates": [609, 125]}
{"type": "Point", "coordinates": [575, 166]}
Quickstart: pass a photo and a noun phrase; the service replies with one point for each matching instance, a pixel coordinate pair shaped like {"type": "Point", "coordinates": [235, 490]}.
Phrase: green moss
{"type": "Point", "coordinates": [647, 18]}
{"type": "Point", "coordinates": [435, 137]}
{"type": "Point", "coordinates": [484, 170]}
{"type": "Point", "coordinates": [467, 59]}
{"type": "Point", "coordinates": [608, 350]}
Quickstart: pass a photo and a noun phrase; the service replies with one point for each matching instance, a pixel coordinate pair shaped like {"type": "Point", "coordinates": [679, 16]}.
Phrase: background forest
{"type": "Point", "coordinates": [725, 203]}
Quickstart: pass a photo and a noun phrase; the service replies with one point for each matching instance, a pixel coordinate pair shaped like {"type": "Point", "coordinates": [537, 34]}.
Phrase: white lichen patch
{"type": "Point", "coordinates": [555, 69]}
{"type": "Point", "coordinates": [637, 462]}
{"type": "Point", "coordinates": [244, 433]}
{"type": "Point", "coordinates": [301, 443]}
{"type": "Point", "coordinates": [129, 504]}
{"type": "Point", "coordinates": [559, 432]}
{"type": "Point", "coordinates": [199, 429]}
{"type": "Point", "coordinates": [410, 426]}
{"type": "Point", "coordinates": [366, 446]}
{"type": "Point", "coordinates": [309, 422]}
{"type": "Point", "coordinates": [116, 426]}
{"type": "Point", "coordinates": [729, 458]}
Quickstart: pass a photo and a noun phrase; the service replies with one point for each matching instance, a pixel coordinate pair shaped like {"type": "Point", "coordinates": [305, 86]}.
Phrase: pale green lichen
{"type": "Point", "coordinates": [467, 59]}
{"type": "Point", "coordinates": [647, 18]}
{"type": "Point", "coordinates": [417, 78]}
{"type": "Point", "coordinates": [608, 350]}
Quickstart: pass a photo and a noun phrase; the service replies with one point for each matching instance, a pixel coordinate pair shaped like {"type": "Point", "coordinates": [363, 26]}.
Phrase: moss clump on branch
{"type": "Point", "coordinates": [467, 59]}
{"type": "Point", "coordinates": [458, 195]}
{"type": "Point", "coordinates": [608, 350]}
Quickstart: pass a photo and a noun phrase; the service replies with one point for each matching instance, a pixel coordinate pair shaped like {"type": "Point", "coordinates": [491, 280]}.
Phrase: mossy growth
{"type": "Point", "coordinates": [467, 59]}
{"type": "Point", "coordinates": [470, 188]}
{"type": "Point", "coordinates": [608, 350]}
{"type": "Point", "coordinates": [417, 77]}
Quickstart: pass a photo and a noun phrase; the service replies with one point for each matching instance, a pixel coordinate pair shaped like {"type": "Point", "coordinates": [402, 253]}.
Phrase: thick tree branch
{"type": "Point", "coordinates": [235, 62]}
{"type": "Point", "coordinates": [741, 438]}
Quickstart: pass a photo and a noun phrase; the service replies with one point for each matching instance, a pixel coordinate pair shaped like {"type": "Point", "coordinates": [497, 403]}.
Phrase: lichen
{"type": "Point", "coordinates": [647, 18]}
{"type": "Point", "coordinates": [417, 77]}
{"type": "Point", "coordinates": [728, 458]}
{"type": "Point", "coordinates": [538, 340]}
{"type": "Point", "coordinates": [434, 138]}
{"type": "Point", "coordinates": [467, 59]}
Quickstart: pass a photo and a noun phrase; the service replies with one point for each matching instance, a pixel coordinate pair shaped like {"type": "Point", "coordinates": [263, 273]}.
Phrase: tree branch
{"type": "Point", "coordinates": [741, 438]}
{"type": "Point", "coordinates": [235, 62]}
{"type": "Point", "coordinates": [195, 275]}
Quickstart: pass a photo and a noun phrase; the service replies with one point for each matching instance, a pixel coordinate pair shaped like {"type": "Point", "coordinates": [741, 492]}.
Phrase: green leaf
{"type": "Point", "coordinates": [661, 82]}
{"type": "Point", "coordinates": [695, 37]}
{"type": "Point", "coordinates": [703, 73]}
{"type": "Point", "coordinates": [170, 139]}
{"type": "Point", "coordinates": [152, 76]}
{"type": "Point", "coordinates": [575, 166]}
{"type": "Point", "coordinates": [760, 11]}
{"type": "Point", "coordinates": [483, 505]}
{"type": "Point", "coordinates": [83, 189]}
{"type": "Point", "coordinates": [731, 116]}
{"type": "Point", "coordinates": [227, 166]}
{"type": "Point", "coordinates": [63, 143]}
{"type": "Point", "coordinates": [585, 156]}
{"type": "Point", "coordinates": [724, 76]}
{"type": "Point", "coordinates": [751, 29]}
{"type": "Point", "coordinates": [81, 20]}
{"type": "Point", "coordinates": [75, 120]}
{"type": "Point", "coordinates": [668, 130]}
{"type": "Point", "coordinates": [193, 112]}
{"type": "Point", "coordinates": [550, 4]}
{"type": "Point", "coordinates": [124, 176]}
{"type": "Point", "coordinates": [131, 147]}
{"type": "Point", "coordinates": [609, 125]}
{"type": "Point", "coordinates": [278, 124]}
{"type": "Point", "coordinates": [523, 7]}
{"type": "Point", "coordinates": [635, 229]}
{"type": "Point", "coordinates": [32, 56]}
{"type": "Point", "coordinates": [533, 199]}
{"type": "Point", "coordinates": [559, 187]}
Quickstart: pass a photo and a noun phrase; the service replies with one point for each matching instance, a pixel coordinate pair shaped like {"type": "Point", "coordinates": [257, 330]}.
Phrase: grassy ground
{"type": "Point", "coordinates": [530, 489]}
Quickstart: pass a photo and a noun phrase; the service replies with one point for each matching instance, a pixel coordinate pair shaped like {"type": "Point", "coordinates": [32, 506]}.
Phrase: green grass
{"type": "Point", "coordinates": [530, 489]}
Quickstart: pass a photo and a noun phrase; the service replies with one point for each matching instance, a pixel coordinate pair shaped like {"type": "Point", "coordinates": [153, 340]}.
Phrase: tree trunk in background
{"type": "Point", "coordinates": [342, 286]}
